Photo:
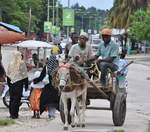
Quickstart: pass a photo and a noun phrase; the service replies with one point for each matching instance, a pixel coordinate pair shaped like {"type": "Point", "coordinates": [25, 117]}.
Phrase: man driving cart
{"type": "Point", "coordinates": [109, 51]}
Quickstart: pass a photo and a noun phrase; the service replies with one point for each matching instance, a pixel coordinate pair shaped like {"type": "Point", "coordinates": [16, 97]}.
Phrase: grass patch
{"type": "Point", "coordinates": [6, 122]}
{"type": "Point", "coordinates": [148, 127]}
{"type": "Point", "coordinates": [119, 130]}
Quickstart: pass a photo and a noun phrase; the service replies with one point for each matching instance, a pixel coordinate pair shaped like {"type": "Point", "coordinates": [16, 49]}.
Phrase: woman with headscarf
{"type": "Point", "coordinates": [49, 97]}
{"type": "Point", "coordinates": [16, 77]}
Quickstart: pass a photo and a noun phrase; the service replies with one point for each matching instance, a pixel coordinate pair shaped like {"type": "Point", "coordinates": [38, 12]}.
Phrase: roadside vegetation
{"type": "Point", "coordinates": [148, 127]}
{"type": "Point", "coordinates": [6, 122]}
{"type": "Point", "coordinates": [119, 130]}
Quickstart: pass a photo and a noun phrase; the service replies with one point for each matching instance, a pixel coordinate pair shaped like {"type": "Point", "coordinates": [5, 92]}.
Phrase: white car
{"type": "Point", "coordinates": [95, 44]}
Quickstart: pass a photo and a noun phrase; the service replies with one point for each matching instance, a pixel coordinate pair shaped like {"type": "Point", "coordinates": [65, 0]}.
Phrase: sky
{"type": "Point", "coordinates": [100, 4]}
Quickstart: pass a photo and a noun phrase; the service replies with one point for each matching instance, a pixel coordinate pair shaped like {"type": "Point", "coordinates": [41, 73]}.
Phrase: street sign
{"type": "Point", "coordinates": [72, 29]}
{"type": "Point", "coordinates": [95, 31]}
{"type": "Point", "coordinates": [89, 31]}
{"type": "Point", "coordinates": [47, 27]}
{"type": "Point", "coordinates": [54, 29]}
{"type": "Point", "coordinates": [68, 17]}
{"type": "Point", "coordinates": [82, 30]}
{"type": "Point", "coordinates": [57, 30]}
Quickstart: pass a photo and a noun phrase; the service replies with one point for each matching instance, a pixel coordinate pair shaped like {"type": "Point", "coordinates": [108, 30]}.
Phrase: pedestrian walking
{"type": "Point", "coordinates": [49, 98]}
{"type": "Point", "coordinates": [35, 96]}
{"type": "Point", "coordinates": [17, 78]}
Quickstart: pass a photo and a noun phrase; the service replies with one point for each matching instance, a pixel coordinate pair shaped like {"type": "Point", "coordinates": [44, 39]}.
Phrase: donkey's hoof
{"type": "Point", "coordinates": [78, 125]}
{"type": "Point", "coordinates": [83, 126]}
{"type": "Point", "coordinates": [65, 128]}
{"type": "Point", "coordinates": [72, 126]}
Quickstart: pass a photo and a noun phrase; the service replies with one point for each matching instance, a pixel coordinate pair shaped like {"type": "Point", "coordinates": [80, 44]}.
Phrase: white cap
{"type": "Point", "coordinates": [84, 34]}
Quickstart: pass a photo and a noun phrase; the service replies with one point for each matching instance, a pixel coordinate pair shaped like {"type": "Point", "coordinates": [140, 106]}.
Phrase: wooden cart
{"type": "Point", "coordinates": [115, 95]}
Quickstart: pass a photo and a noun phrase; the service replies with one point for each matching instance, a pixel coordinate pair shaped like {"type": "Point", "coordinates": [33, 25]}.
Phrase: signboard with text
{"type": "Point", "coordinates": [54, 29]}
{"type": "Point", "coordinates": [89, 31]}
{"type": "Point", "coordinates": [57, 30]}
{"type": "Point", "coordinates": [47, 27]}
{"type": "Point", "coordinates": [82, 30]}
{"type": "Point", "coordinates": [68, 17]}
{"type": "Point", "coordinates": [72, 29]}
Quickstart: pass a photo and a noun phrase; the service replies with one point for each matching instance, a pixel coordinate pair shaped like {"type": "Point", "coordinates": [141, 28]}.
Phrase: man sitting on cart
{"type": "Point", "coordinates": [79, 54]}
{"type": "Point", "coordinates": [109, 51]}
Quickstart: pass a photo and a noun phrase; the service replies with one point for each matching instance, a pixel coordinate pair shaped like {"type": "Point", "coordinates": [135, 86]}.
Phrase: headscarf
{"type": "Point", "coordinates": [17, 69]}
{"type": "Point", "coordinates": [2, 70]}
{"type": "Point", "coordinates": [52, 64]}
{"type": "Point", "coordinates": [2, 73]}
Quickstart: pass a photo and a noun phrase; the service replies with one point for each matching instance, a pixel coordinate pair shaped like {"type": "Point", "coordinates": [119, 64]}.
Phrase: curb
{"type": "Point", "coordinates": [142, 63]}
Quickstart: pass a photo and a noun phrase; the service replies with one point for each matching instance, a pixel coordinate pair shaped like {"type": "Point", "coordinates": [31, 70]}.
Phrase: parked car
{"type": "Point", "coordinates": [95, 44]}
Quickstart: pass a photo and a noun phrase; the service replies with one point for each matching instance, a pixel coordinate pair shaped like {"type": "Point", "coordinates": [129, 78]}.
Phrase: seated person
{"type": "Point", "coordinates": [79, 54]}
{"type": "Point", "coordinates": [109, 51]}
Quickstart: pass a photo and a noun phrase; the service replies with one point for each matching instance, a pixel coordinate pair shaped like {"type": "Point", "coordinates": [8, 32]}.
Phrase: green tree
{"type": "Point", "coordinates": [17, 12]}
{"type": "Point", "coordinates": [140, 28]}
{"type": "Point", "coordinates": [122, 9]}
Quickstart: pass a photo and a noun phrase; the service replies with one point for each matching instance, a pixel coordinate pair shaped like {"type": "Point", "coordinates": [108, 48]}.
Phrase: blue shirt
{"type": "Point", "coordinates": [111, 50]}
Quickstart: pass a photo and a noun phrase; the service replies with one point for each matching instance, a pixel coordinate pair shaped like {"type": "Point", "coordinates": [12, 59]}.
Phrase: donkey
{"type": "Point", "coordinates": [74, 87]}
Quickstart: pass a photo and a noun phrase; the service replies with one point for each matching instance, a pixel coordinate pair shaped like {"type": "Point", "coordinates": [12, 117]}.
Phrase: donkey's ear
{"type": "Point", "coordinates": [75, 75]}
{"type": "Point", "coordinates": [73, 71]}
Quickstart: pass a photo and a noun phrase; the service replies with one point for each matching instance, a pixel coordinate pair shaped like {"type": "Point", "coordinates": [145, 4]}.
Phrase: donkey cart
{"type": "Point", "coordinates": [115, 94]}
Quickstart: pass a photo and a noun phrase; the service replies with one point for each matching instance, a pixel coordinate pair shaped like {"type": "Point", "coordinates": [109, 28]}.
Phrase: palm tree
{"type": "Point", "coordinates": [122, 9]}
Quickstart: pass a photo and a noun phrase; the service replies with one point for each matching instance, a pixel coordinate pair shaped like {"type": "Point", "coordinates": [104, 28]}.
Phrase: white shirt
{"type": "Point", "coordinates": [84, 54]}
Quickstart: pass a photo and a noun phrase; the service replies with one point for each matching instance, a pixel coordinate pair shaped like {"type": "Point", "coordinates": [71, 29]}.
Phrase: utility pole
{"type": "Point", "coordinates": [68, 26]}
{"type": "Point", "coordinates": [48, 11]}
{"type": "Point", "coordinates": [0, 14]}
{"type": "Point", "coordinates": [48, 18]}
{"type": "Point", "coordinates": [68, 3]}
{"type": "Point", "coordinates": [82, 21]}
{"type": "Point", "coordinates": [95, 22]}
{"type": "Point", "coordinates": [57, 13]}
{"type": "Point", "coordinates": [53, 12]}
{"type": "Point", "coordinates": [29, 24]}
{"type": "Point", "coordinates": [89, 22]}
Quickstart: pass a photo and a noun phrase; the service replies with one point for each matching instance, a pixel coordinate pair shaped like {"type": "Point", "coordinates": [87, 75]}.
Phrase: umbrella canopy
{"type": "Point", "coordinates": [11, 27]}
{"type": "Point", "coordinates": [10, 37]}
{"type": "Point", "coordinates": [33, 44]}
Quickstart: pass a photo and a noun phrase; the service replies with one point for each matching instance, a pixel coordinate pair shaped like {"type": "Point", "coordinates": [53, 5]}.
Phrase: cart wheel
{"type": "Point", "coordinates": [119, 109]}
{"type": "Point", "coordinates": [62, 115]}
{"type": "Point", "coordinates": [112, 101]}
{"type": "Point", "coordinates": [6, 99]}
